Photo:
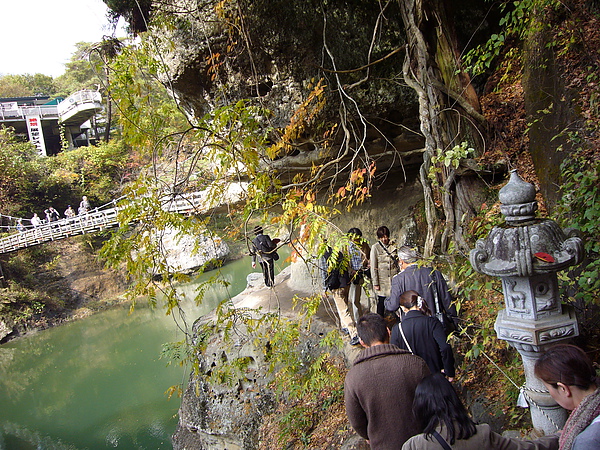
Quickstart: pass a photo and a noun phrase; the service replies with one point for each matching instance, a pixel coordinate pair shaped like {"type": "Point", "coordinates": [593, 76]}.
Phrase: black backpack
{"type": "Point", "coordinates": [333, 279]}
{"type": "Point", "coordinates": [260, 243]}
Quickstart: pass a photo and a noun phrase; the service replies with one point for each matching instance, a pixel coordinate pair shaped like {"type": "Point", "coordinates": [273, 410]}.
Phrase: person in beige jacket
{"type": "Point", "coordinates": [384, 265]}
{"type": "Point", "coordinates": [447, 425]}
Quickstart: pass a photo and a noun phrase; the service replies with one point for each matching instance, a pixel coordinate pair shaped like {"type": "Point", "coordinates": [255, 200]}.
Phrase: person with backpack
{"type": "Point", "coordinates": [360, 274]}
{"type": "Point", "coordinates": [336, 280]}
{"type": "Point", "coordinates": [264, 250]}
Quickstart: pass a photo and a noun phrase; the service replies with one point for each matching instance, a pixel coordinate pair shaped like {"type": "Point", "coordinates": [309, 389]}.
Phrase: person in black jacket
{"type": "Point", "coordinates": [423, 335]}
{"type": "Point", "coordinates": [264, 251]}
{"type": "Point", "coordinates": [427, 282]}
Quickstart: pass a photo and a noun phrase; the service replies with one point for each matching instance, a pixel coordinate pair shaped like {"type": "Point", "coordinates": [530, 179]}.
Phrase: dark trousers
{"type": "Point", "coordinates": [268, 269]}
{"type": "Point", "coordinates": [381, 305]}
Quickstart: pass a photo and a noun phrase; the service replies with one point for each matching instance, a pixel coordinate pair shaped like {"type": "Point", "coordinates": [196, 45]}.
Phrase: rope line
{"type": "Point", "coordinates": [522, 389]}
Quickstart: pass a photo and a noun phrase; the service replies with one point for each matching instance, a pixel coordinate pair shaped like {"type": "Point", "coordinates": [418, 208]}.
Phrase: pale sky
{"type": "Point", "coordinates": [39, 36]}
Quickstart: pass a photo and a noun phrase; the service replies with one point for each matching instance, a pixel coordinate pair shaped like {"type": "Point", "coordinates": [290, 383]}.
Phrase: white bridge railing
{"type": "Point", "coordinates": [91, 222]}
{"type": "Point", "coordinates": [60, 229]}
{"type": "Point", "coordinates": [85, 101]}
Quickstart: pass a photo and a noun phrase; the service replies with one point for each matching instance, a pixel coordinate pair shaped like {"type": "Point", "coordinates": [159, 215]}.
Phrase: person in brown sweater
{"type": "Point", "coordinates": [380, 386]}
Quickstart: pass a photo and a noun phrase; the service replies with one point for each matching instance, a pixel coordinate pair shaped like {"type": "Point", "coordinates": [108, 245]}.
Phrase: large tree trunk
{"type": "Point", "coordinates": [445, 101]}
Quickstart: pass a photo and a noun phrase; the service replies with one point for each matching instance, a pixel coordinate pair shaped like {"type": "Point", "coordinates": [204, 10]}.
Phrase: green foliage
{"type": "Point", "coordinates": [19, 304]}
{"type": "Point", "coordinates": [26, 85]}
{"type": "Point", "coordinates": [449, 158]}
{"type": "Point", "coordinates": [20, 171]}
{"type": "Point", "coordinates": [29, 183]}
{"type": "Point", "coordinates": [579, 208]}
{"type": "Point", "coordinates": [175, 352]}
{"type": "Point", "coordinates": [147, 113]}
{"type": "Point", "coordinates": [479, 59]}
{"type": "Point", "coordinates": [95, 171]}
{"type": "Point", "coordinates": [296, 424]}
{"type": "Point", "coordinates": [517, 22]}
{"type": "Point", "coordinates": [135, 12]}
{"type": "Point", "coordinates": [83, 71]}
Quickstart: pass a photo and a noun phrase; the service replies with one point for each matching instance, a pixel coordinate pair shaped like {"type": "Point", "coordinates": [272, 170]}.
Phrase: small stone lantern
{"type": "Point", "coordinates": [526, 254]}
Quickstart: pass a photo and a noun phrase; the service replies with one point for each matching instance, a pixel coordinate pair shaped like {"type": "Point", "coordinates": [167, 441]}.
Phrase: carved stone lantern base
{"type": "Point", "coordinates": [531, 335]}
{"type": "Point", "coordinates": [530, 338]}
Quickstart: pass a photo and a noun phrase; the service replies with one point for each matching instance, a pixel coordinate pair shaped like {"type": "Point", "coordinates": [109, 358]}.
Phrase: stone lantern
{"type": "Point", "coordinates": [526, 253]}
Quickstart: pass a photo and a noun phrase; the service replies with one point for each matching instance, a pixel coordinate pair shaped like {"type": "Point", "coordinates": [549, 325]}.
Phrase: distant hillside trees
{"type": "Point", "coordinates": [26, 85]}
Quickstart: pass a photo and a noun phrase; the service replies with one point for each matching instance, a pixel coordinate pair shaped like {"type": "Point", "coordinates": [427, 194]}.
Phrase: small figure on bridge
{"type": "Point", "coordinates": [35, 220]}
{"type": "Point", "coordinates": [84, 206]}
{"type": "Point", "coordinates": [69, 212]}
{"type": "Point", "coordinates": [20, 226]}
{"type": "Point", "coordinates": [54, 214]}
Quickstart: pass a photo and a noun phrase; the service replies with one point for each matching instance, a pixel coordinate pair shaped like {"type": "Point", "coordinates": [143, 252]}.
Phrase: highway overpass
{"type": "Point", "coordinates": [39, 118]}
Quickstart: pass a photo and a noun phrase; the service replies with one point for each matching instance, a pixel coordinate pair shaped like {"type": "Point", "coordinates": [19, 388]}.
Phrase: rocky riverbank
{"type": "Point", "coordinates": [65, 280]}
{"type": "Point", "coordinates": [220, 415]}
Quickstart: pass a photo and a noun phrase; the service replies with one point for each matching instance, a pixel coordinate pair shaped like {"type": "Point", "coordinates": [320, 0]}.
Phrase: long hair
{"type": "Point", "coordinates": [567, 364]}
{"type": "Point", "coordinates": [436, 403]}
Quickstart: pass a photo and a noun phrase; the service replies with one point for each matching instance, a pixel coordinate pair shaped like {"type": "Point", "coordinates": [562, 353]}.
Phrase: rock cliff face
{"type": "Point", "coordinates": [272, 52]}
{"type": "Point", "coordinates": [223, 416]}
{"type": "Point", "coordinates": [180, 250]}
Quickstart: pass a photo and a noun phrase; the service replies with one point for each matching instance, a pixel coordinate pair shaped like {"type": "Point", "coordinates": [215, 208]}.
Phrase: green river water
{"type": "Point", "coordinates": [98, 383]}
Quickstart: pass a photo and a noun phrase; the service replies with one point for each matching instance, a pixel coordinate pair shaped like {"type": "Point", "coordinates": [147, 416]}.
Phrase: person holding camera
{"type": "Point", "coordinates": [384, 265]}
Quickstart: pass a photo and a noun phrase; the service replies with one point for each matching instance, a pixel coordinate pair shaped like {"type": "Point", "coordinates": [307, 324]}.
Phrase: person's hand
{"type": "Point", "coordinates": [450, 379]}
{"type": "Point", "coordinates": [376, 287]}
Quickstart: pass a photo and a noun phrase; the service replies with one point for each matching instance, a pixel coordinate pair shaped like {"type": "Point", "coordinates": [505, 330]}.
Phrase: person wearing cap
{"type": "Point", "coordinates": [264, 251]}
{"type": "Point", "coordinates": [426, 281]}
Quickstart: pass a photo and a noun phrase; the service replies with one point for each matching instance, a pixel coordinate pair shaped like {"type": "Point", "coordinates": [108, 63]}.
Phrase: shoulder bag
{"type": "Point", "coordinates": [394, 259]}
{"type": "Point", "coordinates": [404, 338]}
{"type": "Point", "coordinates": [441, 440]}
{"type": "Point", "coordinates": [440, 312]}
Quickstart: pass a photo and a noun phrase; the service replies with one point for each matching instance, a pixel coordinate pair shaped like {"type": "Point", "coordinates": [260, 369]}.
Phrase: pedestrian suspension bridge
{"type": "Point", "coordinates": [97, 219]}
